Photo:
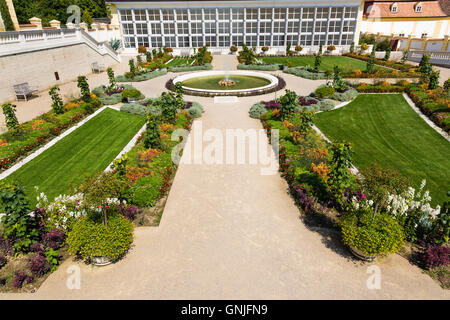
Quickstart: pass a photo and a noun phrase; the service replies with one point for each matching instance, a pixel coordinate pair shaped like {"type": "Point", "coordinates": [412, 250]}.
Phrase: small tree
{"type": "Point", "coordinates": [148, 56]}
{"type": "Point", "coordinates": [57, 103]}
{"type": "Point", "coordinates": [288, 49]}
{"type": "Point", "coordinates": [447, 85]}
{"type": "Point", "coordinates": [112, 79]}
{"type": "Point", "coordinates": [320, 49]}
{"type": "Point", "coordinates": [247, 55]}
{"type": "Point", "coordinates": [434, 80]}
{"type": "Point", "coordinates": [338, 83]}
{"type": "Point", "coordinates": [86, 17]}
{"type": "Point", "coordinates": [405, 56]}
{"type": "Point", "coordinates": [132, 67]}
{"type": "Point", "coordinates": [179, 95]}
{"type": "Point", "coordinates": [340, 177]}
{"type": "Point", "coordinates": [288, 103]}
{"type": "Point", "coordinates": [84, 88]}
{"type": "Point", "coordinates": [370, 66]}
{"type": "Point", "coordinates": [9, 110]}
{"type": "Point", "coordinates": [387, 54]}
{"type": "Point", "coordinates": [317, 62]}
{"type": "Point", "coordinates": [169, 107]}
{"type": "Point", "coordinates": [352, 47]}
{"type": "Point", "coordinates": [152, 139]}
{"type": "Point", "coordinates": [425, 60]}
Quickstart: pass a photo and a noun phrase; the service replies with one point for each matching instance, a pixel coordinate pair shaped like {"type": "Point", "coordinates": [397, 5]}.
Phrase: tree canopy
{"type": "Point", "coordinates": [48, 10]}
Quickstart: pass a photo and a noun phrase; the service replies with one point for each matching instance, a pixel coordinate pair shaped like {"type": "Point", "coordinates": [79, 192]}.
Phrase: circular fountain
{"type": "Point", "coordinates": [219, 83]}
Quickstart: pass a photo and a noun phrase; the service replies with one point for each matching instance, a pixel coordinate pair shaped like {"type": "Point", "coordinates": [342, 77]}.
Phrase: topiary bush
{"type": "Point", "coordinates": [257, 110]}
{"type": "Point", "coordinates": [324, 91]}
{"type": "Point", "coordinates": [89, 238]}
{"type": "Point", "coordinates": [377, 236]}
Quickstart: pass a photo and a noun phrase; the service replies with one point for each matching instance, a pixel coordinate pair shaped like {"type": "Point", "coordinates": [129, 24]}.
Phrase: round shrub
{"type": "Point", "coordinates": [375, 237]}
{"type": "Point", "coordinates": [298, 48]}
{"type": "Point", "coordinates": [326, 105]}
{"type": "Point", "coordinates": [324, 91]}
{"type": "Point", "coordinates": [195, 112]}
{"type": "Point", "coordinates": [257, 110]}
{"type": "Point", "coordinates": [131, 93]}
{"type": "Point", "coordinates": [331, 47]}
{"type": "Point", "coordinates": [134, 108]}
{"type": "Point", "coordinates": [348, 95]}
{"type": "Point", "coordinates": [233, 48]}
{"type": "Point", "coordinates": [89, 238]}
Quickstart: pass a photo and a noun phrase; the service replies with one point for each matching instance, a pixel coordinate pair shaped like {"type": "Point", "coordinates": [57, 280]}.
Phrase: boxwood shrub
{"type": "Point", "coordinates": [90, 238]}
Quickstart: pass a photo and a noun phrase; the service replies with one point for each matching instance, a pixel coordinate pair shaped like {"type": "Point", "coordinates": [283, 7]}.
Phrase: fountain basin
{"type": "Point", "coordinates": [245, 82]}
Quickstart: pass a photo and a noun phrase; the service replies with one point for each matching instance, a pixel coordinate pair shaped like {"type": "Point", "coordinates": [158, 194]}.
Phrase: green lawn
{"type": "Point", "coordinates": [212, 82]}
{"type": "Point", "coordinates": [87, 150]}
{"type": "Point", "coordinates": [328, 62]}
{"type": "Point", "coordinates": [384, 129]}
{"type": "Point", "coordinates": [177, 62]}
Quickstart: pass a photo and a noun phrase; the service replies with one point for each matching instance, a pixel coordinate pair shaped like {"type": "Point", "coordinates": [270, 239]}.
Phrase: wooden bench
{"type": "Point", "coordinates": [24, 90]}
{"type": "Point", "coordinates": [97, 68]}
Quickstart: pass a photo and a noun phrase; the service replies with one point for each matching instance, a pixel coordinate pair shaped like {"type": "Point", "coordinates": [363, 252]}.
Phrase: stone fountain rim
{"type": "Point", "coordinates": [273, 80]}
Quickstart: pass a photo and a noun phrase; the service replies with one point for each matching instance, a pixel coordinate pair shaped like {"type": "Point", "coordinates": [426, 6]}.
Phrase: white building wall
{"type": "Point", "coordinates": [433, 28]}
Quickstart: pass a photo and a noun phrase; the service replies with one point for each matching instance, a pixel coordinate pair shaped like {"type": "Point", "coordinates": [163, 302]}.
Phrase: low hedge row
{"type": "Point", "coordinates": [147, 75]}
{"type": "Point", "coordinates": [207, 66]}
{"type": "Point", "coordinates": [302, 72]}
{"type": "Point", "coordinates": [389, 64]}
{"type": "Point", "coordinates": [261, 67]}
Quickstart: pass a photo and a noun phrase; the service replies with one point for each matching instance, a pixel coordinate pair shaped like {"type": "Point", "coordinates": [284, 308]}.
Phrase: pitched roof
{"type": "Point", "coordinates": [405, 9]}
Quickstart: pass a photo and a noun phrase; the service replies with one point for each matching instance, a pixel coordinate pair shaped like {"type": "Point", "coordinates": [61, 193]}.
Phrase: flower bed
{"type": "Point", "coordinates": [305, 73]}
{"type": "Point", "coordinates": [37, 132]}
{"type": "Point", "coordinates": [406, 68]}
{"type": "Point", "coordinates": [261, 67]}
{"type": "Point", "coordinates": [207, 66]}
{"type": "Point", "coordinates": [143, 76]}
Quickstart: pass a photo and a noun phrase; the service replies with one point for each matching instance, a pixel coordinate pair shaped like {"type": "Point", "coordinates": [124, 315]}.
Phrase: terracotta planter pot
{"type": "Point", "coordinates": [361, 255]}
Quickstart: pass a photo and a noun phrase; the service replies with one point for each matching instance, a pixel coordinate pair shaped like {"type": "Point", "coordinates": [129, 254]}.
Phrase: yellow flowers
{"type": "Point", "coordinates": [322, 170]}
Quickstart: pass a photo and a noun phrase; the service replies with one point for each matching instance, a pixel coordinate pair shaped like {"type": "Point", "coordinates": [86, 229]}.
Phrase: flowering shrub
{"type": "Point", "coordinates": [322, 170]}
{"type": "Point", "coordinates": [435, 255]}
{"type": "Point", "coordinates": [147, 155]}
{"type": "Point", "coordinates": [164, 127]}
{"type": "Point", "coordinates": [38, 265]}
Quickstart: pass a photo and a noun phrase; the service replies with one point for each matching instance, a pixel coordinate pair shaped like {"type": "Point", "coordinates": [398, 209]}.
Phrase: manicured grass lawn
{"type": "Point", "coordinates": [328, 62]}
{"type": "Point", "coordinates": [180, 62]}
{"type": "Point", "coordinates": [87, 150]}
{"type": "Point", "coordinates": [212, 82]}
{"type": "Point", "coordinates": [384, 129]}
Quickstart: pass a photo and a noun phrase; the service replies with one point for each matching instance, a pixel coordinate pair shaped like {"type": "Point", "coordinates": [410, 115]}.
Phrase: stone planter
{"type": "Point", "coordinates": [101, 261]}
{"type": "Point", "coordinates": [361, 255]}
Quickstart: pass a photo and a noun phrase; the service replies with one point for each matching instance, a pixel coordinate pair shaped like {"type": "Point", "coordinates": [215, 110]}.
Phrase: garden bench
{"type": "Point", "coordinates": [97, 68]}
{"type": "Point", "coordinates": [24, 90]}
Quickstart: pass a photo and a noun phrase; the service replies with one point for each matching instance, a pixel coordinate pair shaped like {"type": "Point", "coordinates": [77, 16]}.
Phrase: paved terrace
{"type": "Point", "coordinates": [230, 233]}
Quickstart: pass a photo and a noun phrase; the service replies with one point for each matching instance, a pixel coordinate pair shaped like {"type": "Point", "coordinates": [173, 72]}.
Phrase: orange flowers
{"type": "Point", "coordinates": [357, 73]}
{"type": "Point", "coordinates": [322, 170]}
{"type": "Point", "coordinates": [37, 123]}
{"type": "Point", "coordinates": [3, 143]}
{"type": "Point", "coordinates": [148, 155]}
{"type": "Point", "coordinates": [317, 154]}
{"type": "Point", "coordinates": [164, 127]}
{"type": "Point", "coordinates": [287, 125]}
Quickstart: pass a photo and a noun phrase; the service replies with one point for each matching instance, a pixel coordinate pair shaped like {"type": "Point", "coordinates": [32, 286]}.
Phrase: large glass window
{"type": "Point", "coordinates": [319, 39]}
{"type": "Point", "coordinates": [305, 39]}
{"type": "Point", "coordinates": [153, 15]}
{"type": "Point", "coordinates": [349, 26]}
{"type": "Point", "coordinates": [129, 42]}
{"type": "Point", "coordinates": [169, 28]}
{"type": "Point", "coordinates": [224, 14]}
{"type": "Point", "coordinates": [224, 41]}
{"type": "Point", "coordinates": [321, 26]}
{"type": "Point", "coordinates": [237, 40]}
{"type": "Point", "coordinates": [347, 39]}
{"type": "Point", "coordinates": [279, 26]}
{"type": "Point", "coordinates": [168, 15]}
{"type": "Point", "coordinates": [307, 26]}
{"type": "Point", "coordinates": [335, 26]}
{"type": "Point", "coordinates": [182, 15]}
{"type": "Point", "coordinates": [210, 14]}
{"type": "Point", "coordinates": [141, 28]}
{"type": "Point", "coordinates": [210, 28]}
{"type": "Point", "coordinates": [126, 15]}
{"type": "Point", "coordinates": [238, 27]}
{"type": "Point", "coordinates": [322, 13]}
{"type": "Point", "coordinates": [251, 27]}
{"type": "Point", "coordinates": [140, 15]}
{"type": "Point", "coordinates": [183, 28]}
{"type": "Point", "coordinates": [196, 14]}
{"type": "Point", "coordinates": [224, 27]}
{"type": "Point", "coordinates": [196, 27]}
{"type": "Point", "coordinates": [292, 40]}
{"type": "Point", "coordinates": [265, 13]}
{"type": "Point", "coordinates": [238, 14]}
{"type": "Point", "coordinates": [333, 39]}
{"type": "Point", "coordinates": [170, 42]}
{"type": "Point", "coordinates": [183, 42]}
{"type": "Point", "coordinates": [156, 42]}
{"type": "Point", "coordinates": [156, 28]}
{"type": "Point", "coordinates": [128, 28]}
{"type": "Point", "coordinates": [293, 27]}
{"type": "Point", "coordinates": [251, 41]}
{"type": "Point", "coordinates": [278, 40]}
{"type": "Point", "coordinates": [265, 27]}
{"type": "Point", "coordinates": [308, 13]}
{"type": "Point", "coordinates": [251, 14]}
{"type": "Point", "coordinates": [264, 40]}
{"type": "Point", "coordinates": [350, 13]}
{"type": "Point", "coordinates": [143, 41]}
{"type": "Point", "coordinates": [197, 41]}
{"type": "Point", "coordinates": [279, 13]}
{"type": "Point", "coordinates": [294, 13]}
{"type": "Point", "coordinates": [336, 13]}
{"type": "Point", "coordinates": [211, 41]}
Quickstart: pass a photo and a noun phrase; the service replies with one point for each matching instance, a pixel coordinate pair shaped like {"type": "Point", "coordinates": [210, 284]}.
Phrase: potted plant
{"type": "Point", "coordinates": [370, 235]}
{"type": "Point", "coordinates": [233, 49]}
{"type": "Point", "coordinates": [298, 49]}
{"type": "Point", "coordinates": [264, 49]}
{"type": "Point", "coordinates": [131, 95]}
{"type": "Point", "coordinates": [331, 48]}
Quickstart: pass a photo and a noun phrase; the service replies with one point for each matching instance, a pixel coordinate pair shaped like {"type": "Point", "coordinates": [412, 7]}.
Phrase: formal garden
{"type": "Point", "coordinates": [76, 197]}
{"type": "Point", "coordinates": [358, 158]}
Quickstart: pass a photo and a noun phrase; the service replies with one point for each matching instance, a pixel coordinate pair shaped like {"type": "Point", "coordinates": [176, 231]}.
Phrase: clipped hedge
{"type": "Point", "coordinates": [261, 67]}
{"type": "Point", "coordinates": [301, 72]}
{"type": "Point", "coordinates": [207, 66]}
{"type": "Point", "coordinates": [143, 77]}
